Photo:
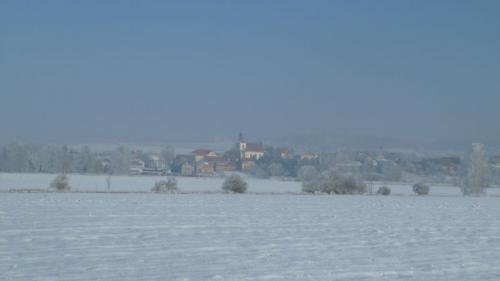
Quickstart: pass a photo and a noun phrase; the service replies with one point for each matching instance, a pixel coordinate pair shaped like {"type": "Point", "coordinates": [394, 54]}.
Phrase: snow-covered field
{"type": "Point", "coordinates": [139, 183]}
{"type": "Point", "coordinates": [187, 184]}
{"type": "Point", "coordinates": [91, 236]}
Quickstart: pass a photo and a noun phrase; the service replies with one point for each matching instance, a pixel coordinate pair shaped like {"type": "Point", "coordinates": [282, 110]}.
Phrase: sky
{"type": "Point", "coordinates": [155, 71]}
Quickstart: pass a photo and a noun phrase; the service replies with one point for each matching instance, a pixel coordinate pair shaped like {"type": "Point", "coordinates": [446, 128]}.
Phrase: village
{"type": "Point", "coordinates": [253, 158]}
{"type": "Point", "coordinates": [243, 157]}
{"type": "Point", "coordinates": [265, 161]}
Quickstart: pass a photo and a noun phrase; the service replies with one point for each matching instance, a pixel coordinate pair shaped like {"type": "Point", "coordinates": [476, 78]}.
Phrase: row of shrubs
{"type": "Point", "coordinates": [418, 189]}
{"type": "Point", "coordinates": [233, 183]}
{"type": "Point", "coordinates": [332, 182]}
{"type": "Point", "coordinates": [328, 182]}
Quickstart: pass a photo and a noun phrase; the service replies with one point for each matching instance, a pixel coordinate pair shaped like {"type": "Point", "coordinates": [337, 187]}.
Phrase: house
{"type": "Point", "coordinates": [179, 167]}
{"type": "Point", "coordinates": [309, 155]}
{"type": "Point", "coordinates": [136, 167]}
{"type": "Point", "coordinates": [154, 165]}
{"type": "Point", "coordinates": [247, 164]}
{"type": "Point", "coordinates": [495, 162]}
{"type": "Point", "coordinates": [285, 153]}
{"type": "Point", "coordinates": [150, 164]}
{"type": "Point", "coordinates": [224, 166]}
{"type": "Point", "coordinates": [205, 168]}
{"type": "Point", "coordinates": [201, 154]}
{"type": "Point", "coordinates": [154, 162]}
{"type": "Point", "coordinates": [220, 164]}
{"type": "Point", "coordinates": [187, 169]}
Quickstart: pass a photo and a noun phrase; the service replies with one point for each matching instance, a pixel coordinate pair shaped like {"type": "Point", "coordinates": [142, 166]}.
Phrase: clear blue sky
{"type": "Point", "coordinates": [91, 71]}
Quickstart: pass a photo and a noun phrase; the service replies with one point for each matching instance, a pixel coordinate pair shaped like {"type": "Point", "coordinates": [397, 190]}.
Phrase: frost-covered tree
{"type": "Point", "coordinates": [332, 182]}
{"type": "Point", "coordinates": [476, 180]}
{"type": "Point", "coordinates": [310, 179]}
{"type": "Point", "coordinates": [235, 183]}
{"type": "Point", "coordinates": [168, 155]}
{"type": "Point", "coordinates": [421, 188]}
{"type": "Point", "coordinates": [307, 172]}
{"type": "Point", "coordinates": [389, 170]}
{"type": "Point", "coordinates": [120, 160]}
{"type": "Point", "coordinates": [233, 156]}
{"type": "Point", "coordinates": [87, 162]}
{"type": "Point", "coordinates": [60, 183]}
{"type": "Point", "coordinates": [276, 170]}
{"type": "Point", "coordinates": [66, 160]}
{"type": "Point", "coordinates": [384, 190]}
{"type": "Point", "coordinates": [313, 184]}
{"type": "Point", "coordinates": [19, 157]}
{"type": "Point", "coordinates": [260, 172]}
{"type": "Point", "coordinates": [165, 186]}
{"type": "Point", "coordinates": [348, 185]}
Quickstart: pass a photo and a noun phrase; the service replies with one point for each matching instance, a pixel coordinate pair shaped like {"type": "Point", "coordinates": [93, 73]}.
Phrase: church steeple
{"type": "Point", "coordinates": [242, 143]}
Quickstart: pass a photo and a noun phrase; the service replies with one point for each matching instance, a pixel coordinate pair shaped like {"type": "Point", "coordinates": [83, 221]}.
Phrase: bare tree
{"type": "Point", "coordinates": [370, 188]}
{"type": "Point", "coordinates": [66, 160]}
{"type": "Point", "coordinates": [477, 172]}
{"type": "Point", "coordinates": [168, 155]}
{"type": "Point", "coordinates": [108, 182]}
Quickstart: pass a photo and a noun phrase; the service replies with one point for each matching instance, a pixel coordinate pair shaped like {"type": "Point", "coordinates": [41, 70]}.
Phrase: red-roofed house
{"type": "Point", "coordinates": [201, 154]}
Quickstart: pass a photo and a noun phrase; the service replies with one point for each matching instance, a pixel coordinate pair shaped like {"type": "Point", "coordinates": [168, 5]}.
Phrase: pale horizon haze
{"type": "Point", "coordinates": [158, 71]}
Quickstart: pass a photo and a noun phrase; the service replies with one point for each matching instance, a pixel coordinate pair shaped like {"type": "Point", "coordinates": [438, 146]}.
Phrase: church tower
{"type": "Point", "coordinates": [243, 144]}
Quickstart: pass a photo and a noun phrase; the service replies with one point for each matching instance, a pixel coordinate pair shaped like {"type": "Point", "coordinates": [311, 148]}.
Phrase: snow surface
{"type": "Point", "coordinates": [189, 184]}
{"type": "Point", "coordinates": [139, 183]}
{"type": "Point", "coordinates": [90, 236]}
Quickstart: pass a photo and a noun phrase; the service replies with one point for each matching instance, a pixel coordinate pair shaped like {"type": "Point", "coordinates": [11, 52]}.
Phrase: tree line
{"type": "Point", "coordinates": [474, 177]}
{"type": "Point", "coordinates": [36, 158]}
